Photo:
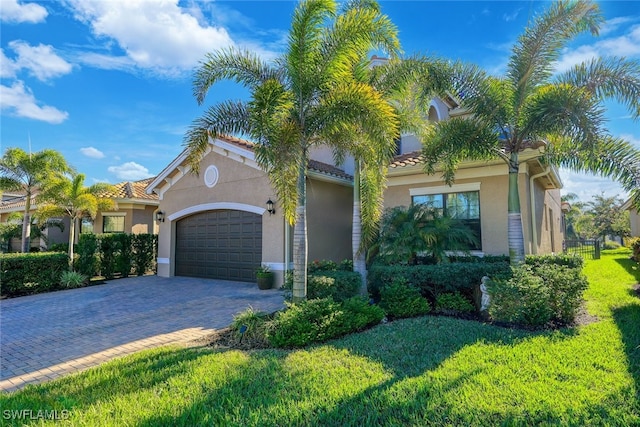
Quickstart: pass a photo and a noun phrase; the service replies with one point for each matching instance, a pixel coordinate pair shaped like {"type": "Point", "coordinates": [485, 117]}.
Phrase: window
{"type": "Point", "coordinates": [86, 226]}
{"type": "Point", "coordinates": [464, 206]}
{"type": "Point", "coordinates": [113, 224]}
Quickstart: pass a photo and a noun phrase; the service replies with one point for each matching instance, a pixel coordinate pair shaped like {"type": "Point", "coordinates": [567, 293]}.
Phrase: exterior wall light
{"type": "Point", "coordinates": [270, 207]}
{"type": "Point", "coordinates": [160, 216]}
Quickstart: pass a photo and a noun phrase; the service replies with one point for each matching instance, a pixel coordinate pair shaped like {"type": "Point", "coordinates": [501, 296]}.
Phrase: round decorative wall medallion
{"type": "Point", "coordinates": [211, 176]}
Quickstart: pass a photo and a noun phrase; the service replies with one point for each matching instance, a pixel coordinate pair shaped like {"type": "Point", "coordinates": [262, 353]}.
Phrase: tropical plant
{"type": "Point", "coordinates": [406, 232]}
{"type": "Point", "coordinates": [572, 216]}
{"type": "Point", "coordinates": [531, 108]}
{"type": "Point", "coordinates": [68, 196]}
{"type": "Point", "coordinates": [306, 98]}
{"type": "Point", "coordinates": [25, 173]}
{"type": "Point", "coordinates": [12, 229]}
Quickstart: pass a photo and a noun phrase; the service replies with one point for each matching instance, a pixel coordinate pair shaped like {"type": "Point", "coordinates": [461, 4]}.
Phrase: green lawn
{"type": "Point", "coordinates": [423, 371]}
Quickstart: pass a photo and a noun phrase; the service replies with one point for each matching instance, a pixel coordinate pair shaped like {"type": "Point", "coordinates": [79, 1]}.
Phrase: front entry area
{"type": "Point", "coordinates": [219, 244]}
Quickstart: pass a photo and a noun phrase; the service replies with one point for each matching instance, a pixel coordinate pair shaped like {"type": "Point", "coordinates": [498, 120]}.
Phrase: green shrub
{"type": "Point", "coordinates": [566, 286]}
{"type": "Point", "coordinates": [323, 265]}
{"type": "Point", "coordinates": [433, 280]}
{"type": "Point", "coordinates": [399, 299]}
{"type": "Point", "coordinates": [634, 244]}
{"type": "Point", "coordinates": [123, 256]}
{"type": "Point", "coordinates": [523, 299]}
{"type": "Point", "coordinates": [32, 273]}
{"type": "Point", "coordinates": [256, 324]}
{"type": "Point", "coordinates": [337, 284]}
{"type": "Point", "coordinates": [454, 302]}
{"type": "Point", "coordinates": [72, 279]}
{"type": "Point", "coordinates": [87, 262]}
{"type": "Point", "coordinates": [58, 247]}
{"type": "Point", "coordinates": [144, 249]}
{"type": "Point", "coordinates": [609, 245]}
{"type": "Point", "coordinates": [569, 260]}
{"type": "Point", "coordinates": [109, 247]}
{"type": "Point", "coordinates": [318, 320]}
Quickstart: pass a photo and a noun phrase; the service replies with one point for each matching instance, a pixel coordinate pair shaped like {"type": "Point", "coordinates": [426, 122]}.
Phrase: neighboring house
{"type": "Point", "coordinates": [634, 217]}
{"type": "Point", "coordinates": [216, 224]}
{"type": "Point", "coordinates": [134, 213]}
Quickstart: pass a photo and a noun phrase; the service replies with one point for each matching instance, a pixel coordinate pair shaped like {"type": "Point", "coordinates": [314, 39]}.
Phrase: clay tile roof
{"type": "Point", "coordinates": [314, 165]}
{"type": "Point", "coordinates": [16, 202]}
{"type": "Point", "coordinates": [407, 159]}
{"type": "Point", "coordinates": [132, 190]}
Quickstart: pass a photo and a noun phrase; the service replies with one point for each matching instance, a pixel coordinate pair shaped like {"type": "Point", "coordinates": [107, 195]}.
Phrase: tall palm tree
{"type": "Point", "coordinates": [70, 197]}
{"type": "Point", "coordinates": [408, 85]}
{"type": "Point", "coordinates": [305, 98]}
{"type": "Point", "coordinates": [26, 172]}
{"type": "Point", "coordinates": [532, 108]}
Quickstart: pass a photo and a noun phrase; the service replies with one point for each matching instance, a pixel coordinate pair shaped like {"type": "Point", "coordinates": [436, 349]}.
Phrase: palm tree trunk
{"type": "Point", "coordinates": [515, 234]}
{"type": "Point", "coordinates": [26, 225]}
{"type": "Point", "coordinates": [359, 263]}
{"type": "Point", "coordinates": [72, 233]}
{"type": "Point", "coordinates": [300, 251]}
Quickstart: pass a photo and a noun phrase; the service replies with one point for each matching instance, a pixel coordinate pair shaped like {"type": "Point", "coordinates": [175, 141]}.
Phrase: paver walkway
{"type": "Point", "coordinates": [48, 335]}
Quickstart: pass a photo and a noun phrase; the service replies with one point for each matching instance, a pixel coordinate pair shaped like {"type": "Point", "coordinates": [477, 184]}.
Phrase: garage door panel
{"type": "Point", "coordinates": [222, 244]}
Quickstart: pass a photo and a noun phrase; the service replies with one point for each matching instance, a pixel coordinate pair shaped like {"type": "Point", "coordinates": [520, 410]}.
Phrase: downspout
{"type": "Point", "coordinates": [534, 232]}
{"type": "Point", "coordinates": [287, 249]}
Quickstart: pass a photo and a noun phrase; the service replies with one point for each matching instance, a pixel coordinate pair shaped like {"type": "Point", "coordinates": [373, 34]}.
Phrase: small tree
{"type": "Point", "coordinates": [26, 172]}
{"type": "Point", "coordinates": [69, 197]}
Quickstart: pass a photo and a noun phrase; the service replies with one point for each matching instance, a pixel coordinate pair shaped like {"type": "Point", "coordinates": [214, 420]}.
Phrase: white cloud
{"type": "Point", "coordinates": [92, 152]}
{"type": "Point", "coordinates": [585, 186]}
{"type": "Point", "coordinates": [631, 139]}
{"type": "Point", "coordinates": [19, 101]}
{"type": "Point", "coordinates": [130, 171]}
{"type": "Point", "coordinates": [155, 35]}
{"type": "Point", "coordinates": [8, 68]}
{"type": "Point", "coordinates": [613, 24]}
{"type": "Point", "coordinates": [41, 61]}
{"type": "Point", "coordinates": [627, 45]}
{"type": "Point", "coordinates": [511, 16]}
{"type": "Point", "coordinates": [15, 12]}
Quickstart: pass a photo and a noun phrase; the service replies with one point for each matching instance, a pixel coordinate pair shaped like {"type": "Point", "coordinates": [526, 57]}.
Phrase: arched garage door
{"type": "Point", "coordinates": [221, 244]}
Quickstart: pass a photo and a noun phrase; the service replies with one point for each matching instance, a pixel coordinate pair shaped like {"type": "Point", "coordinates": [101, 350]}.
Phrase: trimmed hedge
{"type": "Point", "coordinates": [399, 300]}
{"type": "Point", "coordinates": [568, 260]}
{"type": "Point", "coordinates": [433, 280]}
{"type": "Point", "coordinates": [337, 284]}
{"type": "Point", "coordinates": [32, 273]}
{"type": "Point", "coordinates": [634, 244]}
{"type": "Point", "coordinates": [116, 254]}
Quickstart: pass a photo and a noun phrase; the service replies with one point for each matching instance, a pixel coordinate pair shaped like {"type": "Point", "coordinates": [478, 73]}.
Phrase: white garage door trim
{"type": "Point", "coordinates": [216, 206]}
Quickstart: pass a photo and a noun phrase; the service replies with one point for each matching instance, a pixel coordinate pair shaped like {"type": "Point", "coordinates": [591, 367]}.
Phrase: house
{"type": "Point", "coordinates": [134, 213]}
{"type": "Point", "coordinates": [217, 224]}
{"type": "Point", "coordinates": [634, 218]}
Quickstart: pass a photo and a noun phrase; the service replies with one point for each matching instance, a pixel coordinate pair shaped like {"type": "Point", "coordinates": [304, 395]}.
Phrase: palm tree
{"type": "Point", "coordinates": [26, 172]}
{"type": "Point", "coordinates": [307, 97]}
{"type": "Point", "coordinates": [530, 108]}
{"type": "Point", "coordinates": [408, 85]}
{"type": "Point", "coordinates": [69, 197]}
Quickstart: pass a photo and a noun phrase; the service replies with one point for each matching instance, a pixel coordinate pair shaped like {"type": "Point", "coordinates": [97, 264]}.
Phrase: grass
{"type": "Point", "coordinates": [422, 371]}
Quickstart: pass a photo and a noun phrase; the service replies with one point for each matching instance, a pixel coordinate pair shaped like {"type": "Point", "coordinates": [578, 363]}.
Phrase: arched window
{"type": "Point", "coordinates": [433, 114]}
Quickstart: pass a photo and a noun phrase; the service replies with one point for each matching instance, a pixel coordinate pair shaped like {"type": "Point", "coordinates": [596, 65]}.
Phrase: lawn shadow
{"type": "Point", "coordinates": [627, 319]}
{"type": "Point", "coordinates": [630, 266]}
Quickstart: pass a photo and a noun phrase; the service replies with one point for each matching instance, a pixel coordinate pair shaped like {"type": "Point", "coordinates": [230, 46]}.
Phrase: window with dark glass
{"type": "Point", "coordinates": [113, 224]}
{"type": "Point", "coordinates": [464, 206]}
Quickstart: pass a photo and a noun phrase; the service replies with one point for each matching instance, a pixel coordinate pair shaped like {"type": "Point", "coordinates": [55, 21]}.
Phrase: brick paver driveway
{"type": "Point", "coordinates": [48, 335]}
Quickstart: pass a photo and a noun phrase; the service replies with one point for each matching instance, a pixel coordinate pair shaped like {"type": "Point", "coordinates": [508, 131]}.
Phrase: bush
{"type": "Point", "coordinates": [256, 325]}
{"type": "Point", "coordinates": [569, 260]}
{"type": "Point", "coordinates": [337, 284]}
{"type": "Point", "coordinates": [87, 261]}
{"type": "Point", "coordinates": [318, 320]}
{"type": "Point", "coordinates": [432, 280]}
{"type": "Point", "coordinates": [123, 256]}
{"type": "Point", "coordinates": [611, 245]}
{"type": "Point", "coordinates": [109, 250]}
{"type": "Point", "coordinates": [58, 247]}
{"type": "Point", "coordinates": [454, 302]}
{"type": "Point", "coordinates": [24, 274]}
{"type": "Point", "coordinates": [634, 244]}
{"type": "Point", "coordinates": [399, 299]}
{"type": "Point", "coordinates": [144, 250]}
{"type": "Point", "coordinates": [71, 279]}
{"type": "Point", "coordinates": [566, 286]}
{"type": "Point", "coordinates": [523, 299]}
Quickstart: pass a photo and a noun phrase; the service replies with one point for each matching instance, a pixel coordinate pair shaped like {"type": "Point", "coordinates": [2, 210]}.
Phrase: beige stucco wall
{"type": "Point", "coordinates": [329, 220]}
{"type": "Point", "coordinates": [238, 184]}
{"type": "Point", "coordinates": [634, 217]}
{"type": "Point", "coordinates": [493, 182]}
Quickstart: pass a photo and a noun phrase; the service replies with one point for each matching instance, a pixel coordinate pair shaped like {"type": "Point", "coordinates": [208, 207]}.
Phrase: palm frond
{"type": "Point", "coordinates": [242, 66]}
{"type": "Point", "coordinates": [608, 77]}
{"type": "Point", "coordinates": [225, 118]}
{"type": "Point", "coordinates": [534, 54]}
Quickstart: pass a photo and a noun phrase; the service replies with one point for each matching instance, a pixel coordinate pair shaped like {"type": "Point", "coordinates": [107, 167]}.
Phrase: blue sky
{"type": "Point", "coordinates": [108, 83]}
